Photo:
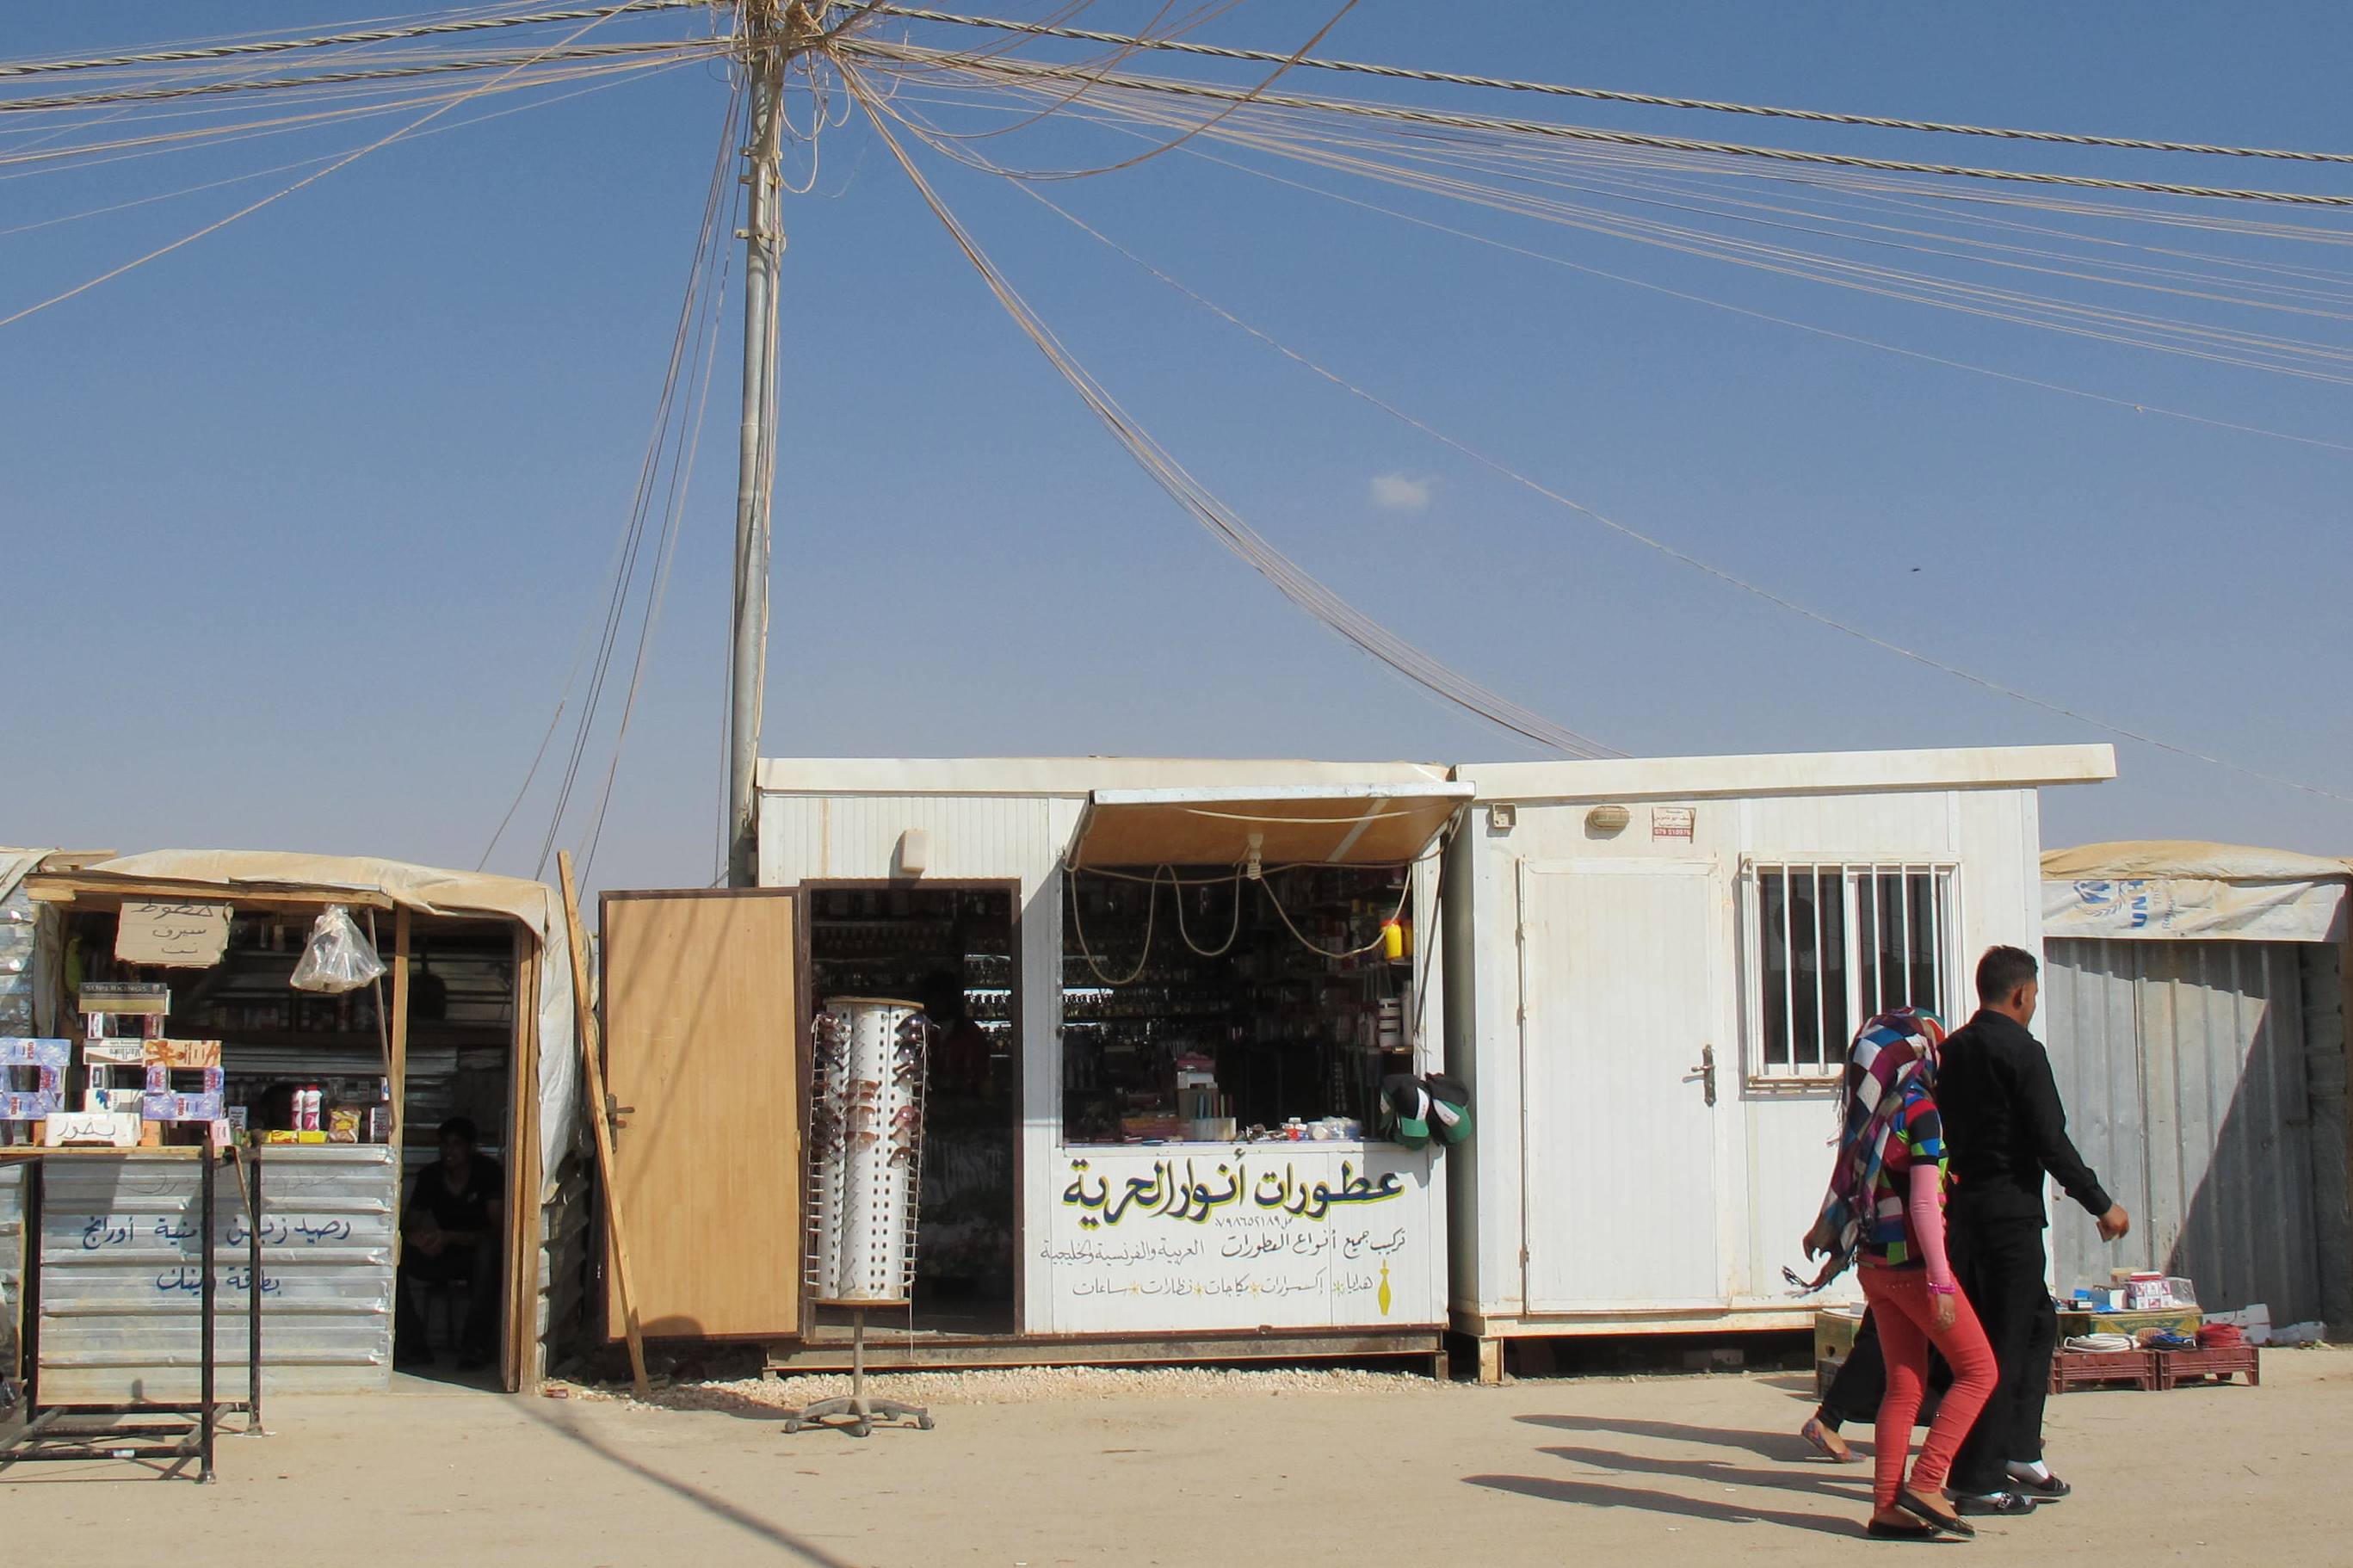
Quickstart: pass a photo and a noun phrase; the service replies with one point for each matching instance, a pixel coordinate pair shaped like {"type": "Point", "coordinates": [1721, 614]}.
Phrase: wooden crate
{"type": "Point", "coordinates": [2074, 1370]}
{"type": "Point", "coordinates": [2181, 1369]}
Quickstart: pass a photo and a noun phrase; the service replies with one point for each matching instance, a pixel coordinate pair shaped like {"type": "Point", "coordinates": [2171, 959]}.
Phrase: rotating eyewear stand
{"type": "Point", "coordinates": [866, 1144]}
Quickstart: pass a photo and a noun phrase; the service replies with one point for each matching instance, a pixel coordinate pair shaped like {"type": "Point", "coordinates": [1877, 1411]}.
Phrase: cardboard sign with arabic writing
{"type": "Point", "coordinates": [179, 935]}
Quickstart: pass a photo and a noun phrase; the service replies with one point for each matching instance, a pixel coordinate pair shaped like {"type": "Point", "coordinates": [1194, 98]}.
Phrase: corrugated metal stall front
{"type": "Point", "coordinates": [121, 1278]}
{"type": "Point", "coordinates": [563, 1226]}
{"type": "Point", "coordinates": [2183, 1067]}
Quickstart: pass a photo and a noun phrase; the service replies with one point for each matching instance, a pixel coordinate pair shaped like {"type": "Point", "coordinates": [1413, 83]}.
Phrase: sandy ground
{"type": "Point", "coordinates": [1207, 1470]}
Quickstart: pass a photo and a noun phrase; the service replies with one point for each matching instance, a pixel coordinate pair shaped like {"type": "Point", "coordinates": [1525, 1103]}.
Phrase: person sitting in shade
{"type": "Point", "coordinates": [452, 1232]}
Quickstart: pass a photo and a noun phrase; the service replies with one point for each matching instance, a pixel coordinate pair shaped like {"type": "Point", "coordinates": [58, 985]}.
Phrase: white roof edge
{"type": "Point", "coordinates": [1072, 776]}
{"type": "Point", "coordinates": [1242, 793]}
{"type": "Point", "coordinates": [1794, 773]}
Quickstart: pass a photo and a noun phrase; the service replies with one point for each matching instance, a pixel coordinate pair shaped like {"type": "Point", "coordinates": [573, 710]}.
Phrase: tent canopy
{"type": "Point", "coordinates": [264, 875]}
{"type": "Point", "coordinates": [1337, 825]}
{"type": "Point", "coordinates": [2147, 858]}
{"type": "Point", "coordinates": [2183, 890]}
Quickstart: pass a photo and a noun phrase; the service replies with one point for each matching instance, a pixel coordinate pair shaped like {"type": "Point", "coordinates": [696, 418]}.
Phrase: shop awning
{"type": "Point", "coordinates": [1337, 825]}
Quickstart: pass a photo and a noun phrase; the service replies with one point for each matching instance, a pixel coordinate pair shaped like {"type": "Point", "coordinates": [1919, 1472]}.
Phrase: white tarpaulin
{"type": "Point", "coordinates": [28, 968]}
{"type": "Point", "coordinates": [2174, 890]}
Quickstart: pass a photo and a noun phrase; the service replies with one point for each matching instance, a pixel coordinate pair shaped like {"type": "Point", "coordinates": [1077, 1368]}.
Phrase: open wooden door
{"type": "Point", "coordinates": [703, 1029]}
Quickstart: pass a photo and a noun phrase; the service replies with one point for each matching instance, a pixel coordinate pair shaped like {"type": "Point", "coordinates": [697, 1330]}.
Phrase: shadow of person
{"type": "Point", "coordinates": [1843, 1485]}
{"type": "Point", "coordinates": [1764, 1445]}
{"type": "Point", "coordinates": [1602, 1494]}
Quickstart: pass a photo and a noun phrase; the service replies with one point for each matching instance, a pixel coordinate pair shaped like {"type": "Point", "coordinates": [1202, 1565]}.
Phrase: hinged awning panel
{"type": "Point", "coordinates": [1337, 825]}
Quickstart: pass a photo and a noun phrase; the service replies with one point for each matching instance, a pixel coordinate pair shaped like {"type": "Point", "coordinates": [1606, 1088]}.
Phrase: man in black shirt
{"type": "Point", "coordinates": [2004, 1132]}
{"type": "Point", "coordinates": [452, 1230]}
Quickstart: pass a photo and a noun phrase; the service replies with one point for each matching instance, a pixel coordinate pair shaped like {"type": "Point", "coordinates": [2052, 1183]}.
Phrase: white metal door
{"type": "Point", "coordinates": [1619, 975]}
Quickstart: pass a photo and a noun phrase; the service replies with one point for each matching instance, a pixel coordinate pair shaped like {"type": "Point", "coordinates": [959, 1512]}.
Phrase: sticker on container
{"type": "Point", "coordinates": [1671, 821]}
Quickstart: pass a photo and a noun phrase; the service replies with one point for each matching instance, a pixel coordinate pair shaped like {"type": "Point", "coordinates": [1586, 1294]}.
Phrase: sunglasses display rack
{"type": "Point", "coordinates": [865, 1157]}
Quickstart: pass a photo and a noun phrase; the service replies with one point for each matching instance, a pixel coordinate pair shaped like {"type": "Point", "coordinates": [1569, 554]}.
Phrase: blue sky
{"type": "Point", "coordinates": [304, 522]}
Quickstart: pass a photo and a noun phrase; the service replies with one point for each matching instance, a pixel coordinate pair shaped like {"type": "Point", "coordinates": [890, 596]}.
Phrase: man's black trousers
{"type": "Point", "coordinates": [2000, 1267]}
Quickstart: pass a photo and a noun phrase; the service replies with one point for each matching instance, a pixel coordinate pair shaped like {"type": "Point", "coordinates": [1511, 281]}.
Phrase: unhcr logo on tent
{"type": "Point", "coordinates": [2134, 905]}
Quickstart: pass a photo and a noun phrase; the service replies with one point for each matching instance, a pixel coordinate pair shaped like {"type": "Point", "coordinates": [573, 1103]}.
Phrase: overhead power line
{"type": "Point", "coordinates": [1292, 581]}
{"type": "Point", "coordinates": [1607, 95]}
{"type": "Point", "coordinates": [409, 129]}
{"type": "Point", "coordinates": [381, 73]}
{"type": "Point", "coordinates": [1017, 70]}
{"type": "Point", "coordinates": [372, 36]}
{"type": "Point", "coordinates": [1674, 552]}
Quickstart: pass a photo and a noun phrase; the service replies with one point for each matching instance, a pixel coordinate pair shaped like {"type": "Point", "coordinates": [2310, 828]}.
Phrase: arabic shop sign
{"type": "Point", "coordinates": [136, 1239]}
{"type": "Point", "coordinates": [1168, 1192]}
{"type": "Point", "coordinates": [1146, 1240]}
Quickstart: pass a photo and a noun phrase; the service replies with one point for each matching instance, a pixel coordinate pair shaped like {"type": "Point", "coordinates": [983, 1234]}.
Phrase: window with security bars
{"type": "Point", "coordinates": [1833, 944]}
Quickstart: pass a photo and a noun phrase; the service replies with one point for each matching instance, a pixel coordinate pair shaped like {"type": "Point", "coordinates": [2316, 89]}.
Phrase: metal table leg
{"type": "Point", "coordinates": [207, 1318]}
{"type": "Point", "coordinates": [28, 1341]}
{"type": "Point", "coordinates": [249, 1160]}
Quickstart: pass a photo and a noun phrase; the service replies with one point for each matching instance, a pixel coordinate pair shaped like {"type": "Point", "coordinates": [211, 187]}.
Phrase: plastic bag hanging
{"type": "Point", "coordinates": [338, 957]}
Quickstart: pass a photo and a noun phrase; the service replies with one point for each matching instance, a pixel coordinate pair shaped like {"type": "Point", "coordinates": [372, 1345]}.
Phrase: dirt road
{"type": "Point", "coordinates": [1660, 1471]}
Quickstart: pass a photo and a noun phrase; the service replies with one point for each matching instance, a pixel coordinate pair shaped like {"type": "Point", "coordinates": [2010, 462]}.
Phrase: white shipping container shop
{"type": "Point", "coordinates": [1653, 969]}
{"type": "Point", "coordinates": [1136, 962]}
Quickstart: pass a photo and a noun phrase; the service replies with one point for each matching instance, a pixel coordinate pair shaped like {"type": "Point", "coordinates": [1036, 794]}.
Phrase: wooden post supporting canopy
{"type": "Point", "coordinates": [593, 1075]}
{"type": "Point", "coordinates": [399, 1068]}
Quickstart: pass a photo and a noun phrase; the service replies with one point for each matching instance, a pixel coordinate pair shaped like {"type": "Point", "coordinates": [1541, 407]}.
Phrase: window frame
{"type": "Point", "coordinates": [1853, 873]}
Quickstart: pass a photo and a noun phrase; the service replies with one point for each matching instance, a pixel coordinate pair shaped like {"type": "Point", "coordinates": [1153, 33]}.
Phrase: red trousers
{"type": "Point", "coordinates": [1900, 1304]}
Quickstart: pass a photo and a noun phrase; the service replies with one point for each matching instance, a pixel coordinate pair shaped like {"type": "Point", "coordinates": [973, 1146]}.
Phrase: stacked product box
{"type": "Point", "coordinates": [32, 1082]}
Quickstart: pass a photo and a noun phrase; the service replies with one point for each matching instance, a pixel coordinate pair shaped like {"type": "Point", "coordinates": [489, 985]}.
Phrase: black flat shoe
{"type": "Point", "coordinates": [1927, 1513]}
{"type": "Point", "coordinates": [1995, 1505]}
{"type": "Point", "coordinates": [1879, 1532]}
{"type": "Point", "coordinates": [2049, 1490]}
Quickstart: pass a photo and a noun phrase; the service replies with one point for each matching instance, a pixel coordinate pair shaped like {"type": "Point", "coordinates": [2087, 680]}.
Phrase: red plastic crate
{"type": "Point", "coordinates": [2176, 1369]}
{"type": "Point", "coordinates": [2074, 1370]}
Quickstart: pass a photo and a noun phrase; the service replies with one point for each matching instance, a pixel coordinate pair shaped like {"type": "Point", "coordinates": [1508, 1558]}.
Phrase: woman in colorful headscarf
{"type": "Point", "coordinates": [1885, 1212]}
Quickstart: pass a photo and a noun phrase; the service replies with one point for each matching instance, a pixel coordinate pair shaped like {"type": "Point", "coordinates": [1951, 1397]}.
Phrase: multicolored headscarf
{"type": "Point", "coordinates": [1891, 1053]}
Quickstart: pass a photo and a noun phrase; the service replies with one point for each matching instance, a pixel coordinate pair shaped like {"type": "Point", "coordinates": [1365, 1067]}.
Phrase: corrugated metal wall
{"type": "Point", "coordinates": [2325, 1075]}
{"type": "Point", "coordinates": [119, 1276]}
{"type": "Point", "coordinates": [563, 1228]}
{"type": "Point", "coordinates": [2183, 1066]}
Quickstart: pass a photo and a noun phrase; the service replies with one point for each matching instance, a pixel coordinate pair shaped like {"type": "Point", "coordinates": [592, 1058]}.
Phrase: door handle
{"type": "Point", "coordinates": [1705, 1072]}
{"type": "Point", "coordinates": [617, 1115]}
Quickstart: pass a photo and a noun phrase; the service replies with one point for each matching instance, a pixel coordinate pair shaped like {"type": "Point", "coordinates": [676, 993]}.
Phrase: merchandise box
{"type": "Point", "coordinates": [182, 1054]}
{"type": "Point", "coordinates": [182, 1094]}
{"type": "Point", "coordinates": [18, 1051]}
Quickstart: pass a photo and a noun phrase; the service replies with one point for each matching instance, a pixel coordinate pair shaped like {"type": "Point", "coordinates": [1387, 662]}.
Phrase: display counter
{"type": "Point", "coordinates": [1209, 1238]}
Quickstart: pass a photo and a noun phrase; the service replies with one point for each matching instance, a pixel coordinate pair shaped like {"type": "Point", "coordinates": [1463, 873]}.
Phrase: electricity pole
{"type": "Point", "coordinates": [772, 31]}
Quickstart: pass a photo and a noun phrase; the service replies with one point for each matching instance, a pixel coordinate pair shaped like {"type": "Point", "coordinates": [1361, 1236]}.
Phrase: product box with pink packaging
{"type": "Point", "coordinates": [32, 1077]}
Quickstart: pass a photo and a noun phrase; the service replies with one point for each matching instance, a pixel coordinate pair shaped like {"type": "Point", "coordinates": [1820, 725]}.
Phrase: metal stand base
{"type": "Point", "coordinates": [860, 1409]}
